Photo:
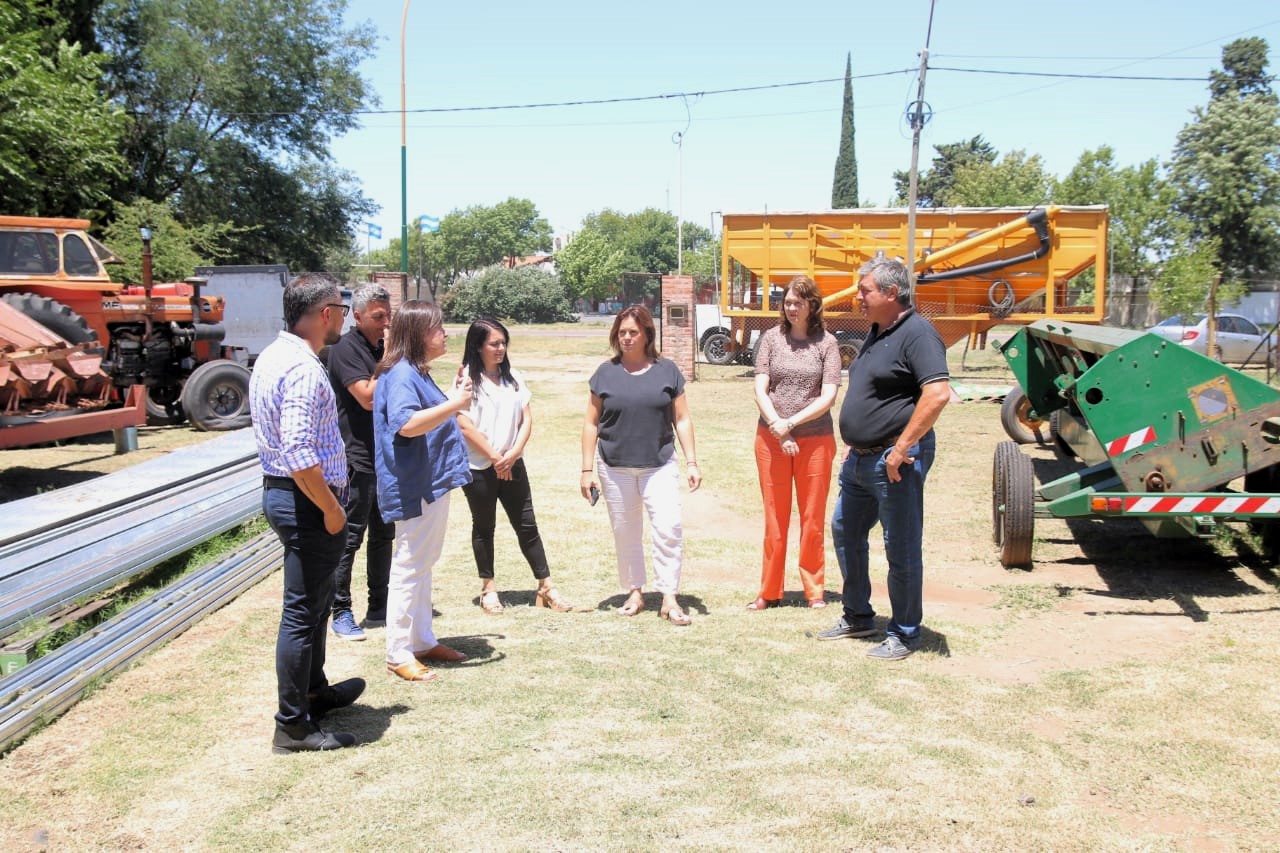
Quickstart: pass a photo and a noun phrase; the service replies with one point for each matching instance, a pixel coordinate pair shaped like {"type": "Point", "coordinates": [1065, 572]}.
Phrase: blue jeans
{"type": "Point", "coordinates": [867, 496]}
{"type": "Point", "coordinates": [363, 515]}
{"type": "Point", "coordinates": [837, 537]}
{"type": "Point", "coordinates": [311, 555]}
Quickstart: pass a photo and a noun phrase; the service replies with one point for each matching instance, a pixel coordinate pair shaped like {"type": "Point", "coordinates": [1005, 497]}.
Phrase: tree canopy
{"type": "Point", "coordinates": [1226, 163]}
{"type": "Point", "coordinates": [231, 106]}
{"type": "Point", "coordinates": [934, 185]}
{"type": "Point", "coordinates": [59, 135]}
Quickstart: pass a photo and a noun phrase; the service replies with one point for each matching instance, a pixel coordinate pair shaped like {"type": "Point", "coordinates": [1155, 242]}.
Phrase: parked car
{"type": "Point", "coordinates": [1238, 339]}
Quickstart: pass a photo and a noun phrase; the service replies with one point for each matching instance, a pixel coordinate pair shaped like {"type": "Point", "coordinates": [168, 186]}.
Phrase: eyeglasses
{"type": "Point", "coordinates": [343, 308]}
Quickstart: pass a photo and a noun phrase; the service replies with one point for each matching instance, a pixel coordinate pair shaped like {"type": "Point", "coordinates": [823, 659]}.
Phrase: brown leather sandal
{"type": "Point", "coordinates": [551, 599]}
{"type": "Point", "coordinates": [413, 671]}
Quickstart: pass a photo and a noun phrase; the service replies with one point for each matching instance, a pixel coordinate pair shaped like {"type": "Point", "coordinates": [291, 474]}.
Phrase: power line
{"type": "Point", "coordinates": [623, 100]}
{"type": "Point", "coordinates": [1070, 76]}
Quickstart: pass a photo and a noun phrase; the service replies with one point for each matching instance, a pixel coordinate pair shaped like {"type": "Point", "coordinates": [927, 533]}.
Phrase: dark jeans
{"type": "Point", "coordinates": [310, 557]}
{"type": "Point", "coordinates": [867, 496]}
{"type": "Point", "coordinates": [362, 515]}
{"type": "Point", "coordinates": [483, 494]}
{"type": "Point", "coordinates": [837, 537]}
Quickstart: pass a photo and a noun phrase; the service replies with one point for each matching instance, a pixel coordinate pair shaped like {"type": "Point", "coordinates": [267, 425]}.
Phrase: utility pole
{"type": "Point", "coordinates": [404, 156]}
{"type": "Point", "coordinates": [917, 118]}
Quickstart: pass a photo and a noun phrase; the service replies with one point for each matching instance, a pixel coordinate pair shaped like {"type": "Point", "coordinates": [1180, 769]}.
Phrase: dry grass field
{"type": "Point", "coordinates": [1119, 695]}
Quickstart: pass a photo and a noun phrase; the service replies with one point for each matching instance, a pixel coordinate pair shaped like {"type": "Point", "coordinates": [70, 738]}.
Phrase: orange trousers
{"type": "Point", "coordinates": [810, 470]}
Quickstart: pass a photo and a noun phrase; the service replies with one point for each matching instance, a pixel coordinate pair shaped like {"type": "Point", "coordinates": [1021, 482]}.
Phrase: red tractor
{"type": "Point", "coordinates": [101, 339]}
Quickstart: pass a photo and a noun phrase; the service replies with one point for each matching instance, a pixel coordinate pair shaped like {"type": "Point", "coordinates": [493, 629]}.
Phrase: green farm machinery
{"type": "Point", "coordinates": [1168, 437]}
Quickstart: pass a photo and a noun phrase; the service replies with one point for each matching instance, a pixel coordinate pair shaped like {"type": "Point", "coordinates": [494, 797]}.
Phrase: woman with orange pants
{"type": "Point", "coordinates": [797, 373]}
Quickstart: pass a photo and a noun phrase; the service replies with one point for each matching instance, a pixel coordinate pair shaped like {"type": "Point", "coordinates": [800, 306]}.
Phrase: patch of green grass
{"type": "Point", "coordinates": [1029, 596]}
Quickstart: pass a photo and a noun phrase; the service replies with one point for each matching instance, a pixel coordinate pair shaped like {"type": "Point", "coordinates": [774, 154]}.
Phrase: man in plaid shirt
{"type": "Point", "coordinates": [304, 466]}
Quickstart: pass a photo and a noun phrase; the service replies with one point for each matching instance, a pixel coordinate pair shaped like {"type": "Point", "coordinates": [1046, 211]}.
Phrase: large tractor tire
{"type": "Point", "coordinates": [216, 396]}
{"type": "Point", "coordinates": [1013, 505]}
{"type": "Point", "coordinates": [717, 347]}
{"type": "Point", "coordinates": [164, 405]}
{"type": "Point", "coordinates": [1018, 423]}
{"type": "Point", "coordinates": [54, 316]}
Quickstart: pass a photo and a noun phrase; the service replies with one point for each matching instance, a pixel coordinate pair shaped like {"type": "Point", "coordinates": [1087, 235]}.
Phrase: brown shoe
{"type": "Point", "coordinates": [414, 671]}
{"type": "Point", "coordinates": [440, 653]}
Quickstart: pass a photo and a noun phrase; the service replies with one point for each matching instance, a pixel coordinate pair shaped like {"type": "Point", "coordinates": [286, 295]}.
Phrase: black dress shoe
{"type": "Point", "coordinates": [308, 737]}
{"type": "Point", "coordinates": [334, 696]}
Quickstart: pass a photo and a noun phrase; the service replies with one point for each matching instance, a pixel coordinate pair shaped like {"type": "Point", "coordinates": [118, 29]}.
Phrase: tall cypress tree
{"type": "Point", "coordinates": [844, 187]}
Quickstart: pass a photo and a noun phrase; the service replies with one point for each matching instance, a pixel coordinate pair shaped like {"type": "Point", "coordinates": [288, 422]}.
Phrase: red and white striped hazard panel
{"type": "Point", "coordinates": [1226, 505]}
{"type": "Point", "coordinates": [1133, 440]}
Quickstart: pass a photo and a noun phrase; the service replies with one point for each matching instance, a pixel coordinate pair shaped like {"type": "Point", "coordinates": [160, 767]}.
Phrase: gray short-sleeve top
{"type": "Point", "coordinates": [636, 418]}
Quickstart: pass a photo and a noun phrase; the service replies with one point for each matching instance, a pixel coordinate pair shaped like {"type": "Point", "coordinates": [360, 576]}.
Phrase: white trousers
{"type": "Point", "coordinates": [419, 542]}
{"type": "Point", "coordinates": [630, 493]}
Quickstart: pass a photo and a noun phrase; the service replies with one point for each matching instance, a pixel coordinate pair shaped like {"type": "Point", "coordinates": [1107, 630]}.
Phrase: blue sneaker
{"type": "Point", "coordinates": [344, 625]}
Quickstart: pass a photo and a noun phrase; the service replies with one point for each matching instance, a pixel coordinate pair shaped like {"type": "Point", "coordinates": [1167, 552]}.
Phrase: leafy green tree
{"type": "Point", "coordinates": [934, 185]}
{"type": "Point", "coordinates": [1226, 163]}
{"type": "Point", "coordinates": [1183, 282]}
{"type": "Point", "coordinates": [241, 97]}
{"type": "Point", "coordinates": [59, 136]}
{"type": "Point", "coordinates": [844, 186]}
{"type": "Point", "coordinates": [590, 267]}
{"type": "Point", "coordinates": [1015, 181]}
{"type": "Point", "coordinates": [176, 250]}
{"type": "Point", "coordinates": [646, 239]}
{"type": "Point", "coordinates": [524, 295]}
{"type": "Point", "coordinates": [704, 261]}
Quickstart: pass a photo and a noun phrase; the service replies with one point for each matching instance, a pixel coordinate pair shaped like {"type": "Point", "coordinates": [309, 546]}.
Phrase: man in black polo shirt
{"type": "Point", "coordinates": [352, 361]}
{"type": "Point", "coordinates": [898, 385]}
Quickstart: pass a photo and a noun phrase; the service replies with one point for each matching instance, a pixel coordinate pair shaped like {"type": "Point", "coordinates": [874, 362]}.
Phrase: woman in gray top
{"type": "Point", "coordinates": [797, 374]}
{"type": "Point", "coordinates": [636, 411]}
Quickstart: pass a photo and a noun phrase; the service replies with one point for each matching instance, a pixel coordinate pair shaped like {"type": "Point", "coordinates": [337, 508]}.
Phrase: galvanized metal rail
{"type": "Point", "coordinates": [89, 555]}
{"type": "Point", "coordinates": [51, 685]}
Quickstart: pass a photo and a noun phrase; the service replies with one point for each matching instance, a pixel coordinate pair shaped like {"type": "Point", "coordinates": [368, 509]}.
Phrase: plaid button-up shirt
{"type": "Point", "coordinates": [295, 415]}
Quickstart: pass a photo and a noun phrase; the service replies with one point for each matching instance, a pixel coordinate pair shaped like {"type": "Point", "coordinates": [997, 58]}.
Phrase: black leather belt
{"type": "Point", "coordinates": [873, 449]}
{"type": "Point", "coordinates": [278, 483]}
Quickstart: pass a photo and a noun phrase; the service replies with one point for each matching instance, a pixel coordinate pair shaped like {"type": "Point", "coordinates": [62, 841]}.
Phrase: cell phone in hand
{"type": "Point", "coordinates": [595, 495]}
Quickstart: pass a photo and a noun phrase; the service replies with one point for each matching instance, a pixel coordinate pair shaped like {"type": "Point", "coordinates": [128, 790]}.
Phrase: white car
{"type": "Point", "coordinates": [1238, 339]}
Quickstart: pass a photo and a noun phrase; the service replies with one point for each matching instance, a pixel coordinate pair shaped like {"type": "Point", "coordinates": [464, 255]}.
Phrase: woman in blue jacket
{"type": "Point", "coordinates": [420, 457]}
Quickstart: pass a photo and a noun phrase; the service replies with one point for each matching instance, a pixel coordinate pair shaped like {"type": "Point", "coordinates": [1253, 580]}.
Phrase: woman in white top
{"type": "Point", "coordinates": [497, 428]}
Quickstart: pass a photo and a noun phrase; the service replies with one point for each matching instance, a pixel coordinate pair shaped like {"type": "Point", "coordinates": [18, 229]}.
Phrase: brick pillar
{"type": "Point", "coordinates": [678, 342]}
{"type": "Point", "coordinates": [396, 283]}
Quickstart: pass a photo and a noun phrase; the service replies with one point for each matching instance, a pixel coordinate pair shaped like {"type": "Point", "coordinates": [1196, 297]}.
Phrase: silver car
{"type": "Point", "coordinates": [1238, 339]}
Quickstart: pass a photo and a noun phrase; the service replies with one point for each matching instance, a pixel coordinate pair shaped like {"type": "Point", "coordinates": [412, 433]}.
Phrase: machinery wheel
{"type": "Point", "coordinates": [54, 316]}
{"type": "Point", "coordinates": [1005, 451]}
{"type": "Point", "coordinates": [164, 405]}
{"type": "Point", "coordinates": [216, 396]}
{"type": "Point", "coordinates": [1060, 445]}
{"type": "Point", "coordinates": [1015, 416]}
{"type": "Point", "coordinates": [717, 348]}
{"type": "Point", "coordinates": [849, 346]}
{"type": "Point", "coordinates": [755, 348]}
{"type": "Point", "coordinates": [1014, 517]}
{"type": "Point", "coordinates": [1265, 481]}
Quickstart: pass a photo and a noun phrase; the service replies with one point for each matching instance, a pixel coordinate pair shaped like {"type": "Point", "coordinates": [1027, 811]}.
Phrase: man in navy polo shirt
{"type": "Point", "coordinates": [898, 385]}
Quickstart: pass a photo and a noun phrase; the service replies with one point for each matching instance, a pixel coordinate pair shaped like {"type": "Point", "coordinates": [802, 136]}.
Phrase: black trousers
{"type": "Point", "coordinates": [484, 493]}
{"type": "Point", "coordinates": [362, 515]}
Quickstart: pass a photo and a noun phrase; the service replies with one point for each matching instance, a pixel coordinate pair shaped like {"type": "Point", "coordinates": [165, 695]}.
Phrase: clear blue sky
{"type": "Point", "coordinates": [772, 148]}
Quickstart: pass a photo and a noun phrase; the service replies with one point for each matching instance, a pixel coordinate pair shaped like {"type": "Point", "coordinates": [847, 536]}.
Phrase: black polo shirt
{"type": "Point", "coordinates": [353, 359]}
{"type": "Point", "coordinates": [886, 377]}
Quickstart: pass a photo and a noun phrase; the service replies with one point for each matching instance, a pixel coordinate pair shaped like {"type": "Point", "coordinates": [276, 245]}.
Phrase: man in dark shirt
{"type": "Point", "coordinates": [352, 362]}
{"type": "Point", "coordinates": [898, 385]}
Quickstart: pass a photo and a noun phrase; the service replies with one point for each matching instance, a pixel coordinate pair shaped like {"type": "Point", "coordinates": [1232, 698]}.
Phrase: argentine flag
{"type": "Point", "coordinates": [428, 224]}
{"type": "Point", "coordinates": [375, 231]}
